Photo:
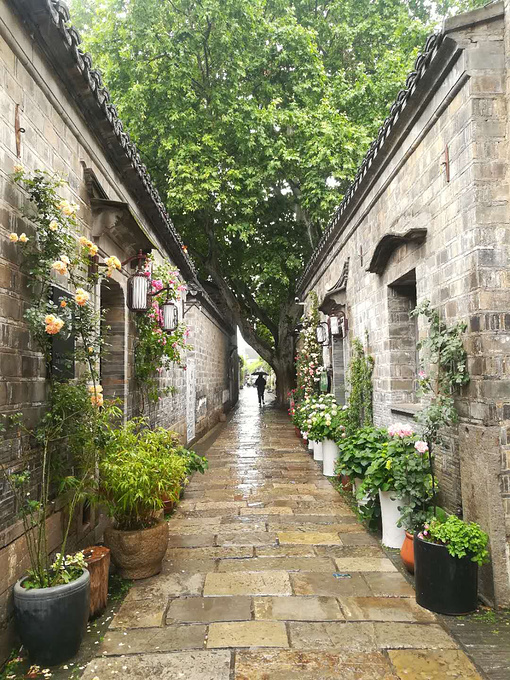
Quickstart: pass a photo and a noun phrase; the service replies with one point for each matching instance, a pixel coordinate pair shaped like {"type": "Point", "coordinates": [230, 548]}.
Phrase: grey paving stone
{"type": "Point", "coordinates": [189, 665]}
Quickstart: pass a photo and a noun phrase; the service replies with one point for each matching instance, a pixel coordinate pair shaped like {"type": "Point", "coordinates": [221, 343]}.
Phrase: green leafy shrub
{"type": "Point", "coordinates": [136, 470]}
{"type": "Point", "coordinates": [168, 442]}
{"type": "Point", "coordinates": [358, 450]}
{"type": "Point", "coordinates": [462, 539]}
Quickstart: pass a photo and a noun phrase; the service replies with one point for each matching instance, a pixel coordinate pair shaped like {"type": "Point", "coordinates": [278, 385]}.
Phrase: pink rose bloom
{"type": "Point", "coordinates": [422, 375]}
{"type": "Point", "coordinates": [158, 330]}
{"type": "Point", "coordinates": [181, 288]}
{"type": "Point", "coordinates": [147, 274]}
{"type": "Point", "coordinates": [406, 431]}
{"type": "Point", "coordinates": [157, 285]}
{"type": "Point", "coordinates": [421, 447]}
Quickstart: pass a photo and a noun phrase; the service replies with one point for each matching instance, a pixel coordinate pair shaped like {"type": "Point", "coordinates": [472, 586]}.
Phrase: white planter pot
{"type": "Point", "coordinates": [330, 454]}
{"type": "Point", "coordinates": [311, 444]}
{"type": "Point", "coordinates": [392, 535]}
{"type": "Point", "coordinates": [360, 501]}
{"type": "Point", "coordinates": [317, 451]}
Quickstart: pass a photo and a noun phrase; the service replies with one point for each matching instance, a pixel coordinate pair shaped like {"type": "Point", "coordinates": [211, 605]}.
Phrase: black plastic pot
{"type": "Point", "coordinates": [444, 584]}
{"type": "Point", "coordinates": [51, 622]}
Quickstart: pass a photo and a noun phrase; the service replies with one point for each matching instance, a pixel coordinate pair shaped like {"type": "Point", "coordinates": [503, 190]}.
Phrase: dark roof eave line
{"type": "Point", "coordinates": [421, 65]}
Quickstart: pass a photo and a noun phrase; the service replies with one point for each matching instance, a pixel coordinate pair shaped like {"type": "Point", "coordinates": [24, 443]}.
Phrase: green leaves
{"type": "Point", "coordinates": [138, 468]}
{"type": "Point", "coordinates": [463, 539]}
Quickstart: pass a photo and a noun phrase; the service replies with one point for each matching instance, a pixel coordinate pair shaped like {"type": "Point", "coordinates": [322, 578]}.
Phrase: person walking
{"type": "Point", "coordinates": [260, 384]}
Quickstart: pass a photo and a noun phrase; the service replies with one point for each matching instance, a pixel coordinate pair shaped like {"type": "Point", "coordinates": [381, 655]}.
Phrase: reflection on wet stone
{"type": "Point", "coordinates": [269, 576]}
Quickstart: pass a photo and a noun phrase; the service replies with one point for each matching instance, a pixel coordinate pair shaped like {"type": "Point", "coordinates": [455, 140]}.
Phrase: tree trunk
{"type": "Point", "coordinates": [285, 381]}
{"type": "Point", "coordinates": [283, 364]}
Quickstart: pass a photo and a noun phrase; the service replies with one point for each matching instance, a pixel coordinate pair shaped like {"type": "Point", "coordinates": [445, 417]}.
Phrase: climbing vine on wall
{"type": "Point", "coordinates": [361, 389]}
{"type": "Point", "coordinates": [309, 364]}
{"type": "Point", "coordinates": [157, 350]}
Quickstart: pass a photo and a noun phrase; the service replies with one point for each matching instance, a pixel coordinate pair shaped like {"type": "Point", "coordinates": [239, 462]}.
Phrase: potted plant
{"type": "Point", "coordinates": [136, 470]}
{"type": "Point", "coordinates": [51, 602]}
{"type": "Point", "coordinates": [327, 424]}
{"type": "Point", "coordinates": [168, 442]}
{"type": "Point", "coordinates": [448, 555]}
{"type": "Point", "coordinates": [399, 474]}
{"type": "Point", "coordinates": [413, 486]}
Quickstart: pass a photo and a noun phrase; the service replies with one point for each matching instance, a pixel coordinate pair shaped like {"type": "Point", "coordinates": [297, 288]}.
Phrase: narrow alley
{"type": "Point", "coordinates": [269, 575]}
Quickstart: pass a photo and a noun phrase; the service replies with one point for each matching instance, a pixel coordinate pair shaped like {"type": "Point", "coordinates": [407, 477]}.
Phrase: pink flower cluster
{"type": "Point", "coordinates": [400, 430]}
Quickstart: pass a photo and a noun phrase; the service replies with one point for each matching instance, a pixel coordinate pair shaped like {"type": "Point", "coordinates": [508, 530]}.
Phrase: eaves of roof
{"type": "Point", "coordinates": [48, 21]}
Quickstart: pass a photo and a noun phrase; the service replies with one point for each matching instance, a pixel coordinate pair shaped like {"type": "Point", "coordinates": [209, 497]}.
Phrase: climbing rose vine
{"type": "Point", "coordinates": [157, 350]}
{"type": "Point", "coordinates": [309, 363]}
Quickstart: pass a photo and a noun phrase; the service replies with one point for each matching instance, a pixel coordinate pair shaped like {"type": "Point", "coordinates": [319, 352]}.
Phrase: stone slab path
{"type": "Point", "coordinates": [269, 576]}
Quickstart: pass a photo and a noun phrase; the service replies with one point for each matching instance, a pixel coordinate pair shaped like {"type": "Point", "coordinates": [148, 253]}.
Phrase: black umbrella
{"type": "Point", "coordinates": [260, 373]}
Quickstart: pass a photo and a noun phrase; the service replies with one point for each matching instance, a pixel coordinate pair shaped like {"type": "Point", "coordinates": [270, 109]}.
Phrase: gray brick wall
{"type": "Point", "coordinates": [57, 139]}
{"type": "Point", "coordinates": [462, 268]}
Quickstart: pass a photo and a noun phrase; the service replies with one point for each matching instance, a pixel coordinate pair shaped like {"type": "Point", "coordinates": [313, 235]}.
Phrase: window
{"type": "Point", "coordinates": [62, 347]}
{"type": "Point", "coordinates": [403, 337]}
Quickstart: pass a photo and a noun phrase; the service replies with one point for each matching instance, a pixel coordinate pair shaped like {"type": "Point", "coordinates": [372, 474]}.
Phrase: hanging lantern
{"type": "Point", "coordinates": [322, 333]}
{"type": "Point", "coordinates": [170, 316]}
{"type": "Point", "coordinates": [138, 299]}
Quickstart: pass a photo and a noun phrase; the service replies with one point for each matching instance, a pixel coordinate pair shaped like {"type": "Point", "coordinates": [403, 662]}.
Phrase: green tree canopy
{"type": "Point", "coordinates": [252, 116]}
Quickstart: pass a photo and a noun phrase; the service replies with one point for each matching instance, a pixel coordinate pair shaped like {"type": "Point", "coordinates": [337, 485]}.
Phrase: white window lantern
{"type": "Point", "coordinates": [322, 333]}
{"type": "Point", "coordinates": [138, 299]}
{"type": "Point", "coordinates": [170, 316]}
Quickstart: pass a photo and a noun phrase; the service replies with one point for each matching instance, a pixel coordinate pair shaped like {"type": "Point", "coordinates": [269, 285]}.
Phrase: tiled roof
{"type": "Point", "coordinates": [60, 16]}
{"type": "Point", "coordinates": [420, 67]}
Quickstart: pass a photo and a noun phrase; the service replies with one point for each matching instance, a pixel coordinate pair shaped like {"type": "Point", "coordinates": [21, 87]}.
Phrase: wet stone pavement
{"type": "Point", "coordinates": [269, 576]}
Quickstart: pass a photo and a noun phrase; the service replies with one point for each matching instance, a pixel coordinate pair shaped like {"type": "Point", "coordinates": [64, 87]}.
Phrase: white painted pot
{"type": "Point", "coordinates": [360, 501]}
{"type": "Point", "coordinates": [330, 453]}
{"type": "Point", "coordinates": [317, 451]}
{"type": "Point", "coordinates": [311, 444]}
{"type": "Point", "coordinates": [392, 535]}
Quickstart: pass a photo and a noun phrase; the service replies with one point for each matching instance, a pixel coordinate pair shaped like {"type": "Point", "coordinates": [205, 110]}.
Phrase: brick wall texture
{"type": "Point", "coordinates": [462, 267]}
{"type": "Point", "coordinates": [57, 139]}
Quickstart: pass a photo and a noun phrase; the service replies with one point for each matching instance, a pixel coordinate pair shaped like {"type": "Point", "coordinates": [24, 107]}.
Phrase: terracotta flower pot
{"type": "Point", "coordinates": [407, 552]}
{"type": "Point", "coordinates": [168, 504]}
{"type": "Point", "coordinates": [346, 483]}
{"type": "Point", "coordinates": [138, 554]}
{"type": "Point", "coordinates": [98, 564]}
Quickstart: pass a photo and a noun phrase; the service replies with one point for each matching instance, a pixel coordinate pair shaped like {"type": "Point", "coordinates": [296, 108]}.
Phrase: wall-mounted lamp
{"type": "Point", "coordinates": [193, 296]}
{"type": "Point", "coordinates": [297, 330]}
{"type": "Point", "coordinates": [170, 316]}
{"type": "Point", "coordinates": [338, 325]}
{"type": "Point", "coordinates": [322, 333]}
{"type": "Point", "coordinates": [138, 292]}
